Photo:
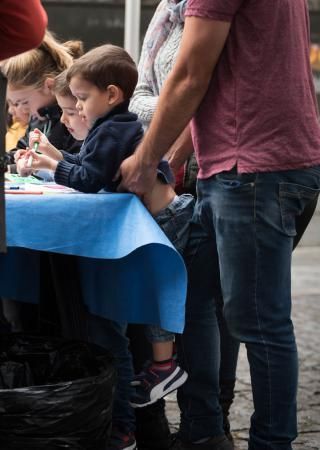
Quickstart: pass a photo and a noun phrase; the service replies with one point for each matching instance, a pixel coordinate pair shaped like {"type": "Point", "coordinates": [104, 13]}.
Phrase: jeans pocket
{"type": "Point", "coordinates": [293, 200]}
{"type": "Point", "coordinates": [233, 181]}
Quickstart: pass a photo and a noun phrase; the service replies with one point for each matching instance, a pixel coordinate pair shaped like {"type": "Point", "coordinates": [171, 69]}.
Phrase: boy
{"type": "Point", "coordinates": [103, 81]}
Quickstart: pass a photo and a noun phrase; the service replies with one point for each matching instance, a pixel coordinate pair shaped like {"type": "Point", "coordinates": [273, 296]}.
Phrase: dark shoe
{"type": "Point", "coordinates": [152, 427]}
{"type": "Point", "coordinates": [121, 440]}
{"type": "Point", "coordinates": [152, 384]}
{"type": "Point", "coordinates": [226, 398]}
{"type": "Point", "coordinates": [215, 443]}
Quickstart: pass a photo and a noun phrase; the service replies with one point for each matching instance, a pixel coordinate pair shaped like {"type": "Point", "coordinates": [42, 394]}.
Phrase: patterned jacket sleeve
{"type": "Point", "coordinates": [144, 100]}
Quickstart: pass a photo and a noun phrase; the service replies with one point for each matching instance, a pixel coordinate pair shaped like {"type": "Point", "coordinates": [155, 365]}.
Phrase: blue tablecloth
{"type": "Point", "coordinates": [129, 270]}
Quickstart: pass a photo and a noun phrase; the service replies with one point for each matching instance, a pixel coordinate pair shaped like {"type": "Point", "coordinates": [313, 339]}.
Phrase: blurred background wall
{"type": "Point", "coordinates": [95, 22]}
{"type": "Point", "coordinates": [99, 21]}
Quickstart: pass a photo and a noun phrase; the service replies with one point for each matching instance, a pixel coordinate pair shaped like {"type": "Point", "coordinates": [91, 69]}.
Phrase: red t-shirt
{"type": "Point", "coordinates": [22, 26]}
{"type": "Point", "coordinates": [260, 111]}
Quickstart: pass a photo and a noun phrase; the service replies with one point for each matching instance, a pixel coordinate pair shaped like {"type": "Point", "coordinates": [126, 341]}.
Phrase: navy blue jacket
{"type": "Point", "coordinates": [112, 138]}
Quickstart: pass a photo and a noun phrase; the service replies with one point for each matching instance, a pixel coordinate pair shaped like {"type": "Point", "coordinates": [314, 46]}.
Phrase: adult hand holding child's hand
{"type": "Point", "coordinates": [137, 176]}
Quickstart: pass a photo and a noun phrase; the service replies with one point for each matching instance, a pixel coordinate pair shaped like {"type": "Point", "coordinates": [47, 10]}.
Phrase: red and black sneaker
{"type": "Point", "coordinates": [152, 384]}
{"type": "Point", "coordinates": [120, 440]}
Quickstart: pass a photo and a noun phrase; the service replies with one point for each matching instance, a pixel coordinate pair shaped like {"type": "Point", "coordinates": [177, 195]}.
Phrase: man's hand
{"type": "Point", "coordinates": [137, 177]}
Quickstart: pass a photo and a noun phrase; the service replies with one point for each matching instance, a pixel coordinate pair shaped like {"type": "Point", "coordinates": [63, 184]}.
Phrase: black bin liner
{"type": "Point", "coordinates": [54, 394]}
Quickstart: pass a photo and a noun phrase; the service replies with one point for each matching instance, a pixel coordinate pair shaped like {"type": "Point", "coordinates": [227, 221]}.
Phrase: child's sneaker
{"type": "Point", "coordinates": [121, 440]}
{"type": "Point", "coordinates": [153, 383]}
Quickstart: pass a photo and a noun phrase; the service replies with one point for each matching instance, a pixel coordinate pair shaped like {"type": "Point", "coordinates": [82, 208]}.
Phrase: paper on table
{"type": "Point", "coordinates": [39, 188]}
{"type": "Point", "coordinates": [15, 178]}
{"type": "Point", "coordinates": [49, 188]}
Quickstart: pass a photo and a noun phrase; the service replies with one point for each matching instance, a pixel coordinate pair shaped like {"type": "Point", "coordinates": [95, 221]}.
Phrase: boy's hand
{"type": "Point", "coordinates": [39, 161]}
{"type": "Point", "coordinates": [45, 146]}
{"type": "Point", "coordinates": [37, 136]}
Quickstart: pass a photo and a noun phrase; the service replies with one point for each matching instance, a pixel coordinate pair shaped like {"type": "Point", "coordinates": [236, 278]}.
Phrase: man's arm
{"type": "Point", "coordinates": [181, 150]}
{"type": "Point", "coordinates": [22, 26]}
{"type": "Point", "coordinates": [201, 46]}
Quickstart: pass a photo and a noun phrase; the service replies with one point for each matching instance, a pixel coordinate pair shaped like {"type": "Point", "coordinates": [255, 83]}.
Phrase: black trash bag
{"type": "Point", "coordinates": [58, 394]}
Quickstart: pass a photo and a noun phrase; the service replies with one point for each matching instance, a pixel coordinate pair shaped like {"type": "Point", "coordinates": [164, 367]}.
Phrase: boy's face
{"type": "Point", "coordinates": [70, 117]}
{"type": "Point", "coordinates": [92, 102]}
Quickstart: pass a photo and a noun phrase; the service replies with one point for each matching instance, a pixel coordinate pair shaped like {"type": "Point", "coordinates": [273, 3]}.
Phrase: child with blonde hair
{"type": "Point", "coordinates": [30, 79]}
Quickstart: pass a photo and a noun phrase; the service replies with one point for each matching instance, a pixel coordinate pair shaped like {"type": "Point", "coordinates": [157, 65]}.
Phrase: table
{"type": "Point", "coordinates": [128, 269]}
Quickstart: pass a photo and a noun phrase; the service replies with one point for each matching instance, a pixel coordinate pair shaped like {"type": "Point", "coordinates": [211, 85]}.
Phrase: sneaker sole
{"type": "Point", "coordinates": [131, 447]}
{"type": "Point", "coordinates": [162, 389]}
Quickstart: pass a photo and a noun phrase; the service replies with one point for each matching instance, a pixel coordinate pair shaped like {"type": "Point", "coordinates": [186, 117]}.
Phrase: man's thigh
{"type": "Point", "coordinates": [253, 217]}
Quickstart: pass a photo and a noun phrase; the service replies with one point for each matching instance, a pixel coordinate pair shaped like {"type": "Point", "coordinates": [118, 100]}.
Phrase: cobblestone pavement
{"type": "Point", "coordinates": [306, 317]}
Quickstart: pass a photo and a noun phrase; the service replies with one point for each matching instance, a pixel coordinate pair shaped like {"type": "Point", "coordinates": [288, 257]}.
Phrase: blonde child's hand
{"type": "Point", "coordinates": [44, 146]}
{"type": "Point", "coordinates": [20, 154]}
{"type": "Point", "coordinates": [39, 161]}
{"type": "Point", "coordinates": [22, 170]}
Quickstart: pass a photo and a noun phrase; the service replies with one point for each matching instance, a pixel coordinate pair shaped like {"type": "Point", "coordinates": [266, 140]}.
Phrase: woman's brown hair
{"type": "Point", "coordinates": [32, 68]}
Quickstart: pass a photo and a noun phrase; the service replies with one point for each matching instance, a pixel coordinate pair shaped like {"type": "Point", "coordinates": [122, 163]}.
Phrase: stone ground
{"type": "Point", "coordinates": [306, 317]}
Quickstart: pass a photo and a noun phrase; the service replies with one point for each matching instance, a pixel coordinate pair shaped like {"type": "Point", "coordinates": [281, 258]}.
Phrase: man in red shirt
{"type": "Point", "coordinates": [243, 74]}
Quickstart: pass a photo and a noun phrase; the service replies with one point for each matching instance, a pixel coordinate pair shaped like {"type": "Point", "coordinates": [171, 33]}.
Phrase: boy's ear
{"type": "Point", "coordinates": [48, 84]}
{"type": "Point", "coordinates": [115, 94]}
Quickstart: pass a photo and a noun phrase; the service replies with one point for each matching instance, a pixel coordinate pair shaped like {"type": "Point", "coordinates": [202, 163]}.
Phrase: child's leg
{"type": "Point", "coordinates": [112, 336]}
{"type": "Point", "coordinates": [152, 427]}
{"type": "Point", "coordinates": [163, 375]}
{"type": "Point", "coordinates": [160, 376]}
{"type": "Point", "coordinates": [162, 351]}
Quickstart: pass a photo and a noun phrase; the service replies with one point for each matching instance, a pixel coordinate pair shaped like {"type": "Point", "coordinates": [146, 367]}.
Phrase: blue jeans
{"type": "Point", "coordinates": [174, 220]}
{"type": "Point", "coordinates": [112, 336]}
{"type": "Point", "coordinates": [249, 220]}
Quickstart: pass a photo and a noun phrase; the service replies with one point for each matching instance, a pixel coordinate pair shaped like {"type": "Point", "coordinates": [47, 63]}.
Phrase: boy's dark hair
{"type": "Point", "coordinates": [105, 65]}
